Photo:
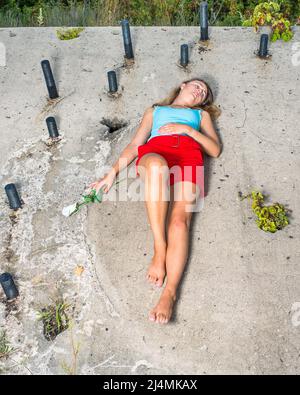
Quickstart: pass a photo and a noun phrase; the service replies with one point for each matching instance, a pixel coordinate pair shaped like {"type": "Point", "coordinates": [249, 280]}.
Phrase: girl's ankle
{"type": "Point", "coordinates": [160, 248]}
{"type": "Point", "coordinates": [171, 291]}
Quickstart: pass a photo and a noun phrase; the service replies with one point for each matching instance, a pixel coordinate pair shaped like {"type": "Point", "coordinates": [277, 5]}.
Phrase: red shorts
{"type": "Point", "coordinates": [183, 155]}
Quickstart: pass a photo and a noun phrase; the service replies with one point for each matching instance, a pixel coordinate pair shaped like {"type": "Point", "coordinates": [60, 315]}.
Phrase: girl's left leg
{"type": "Point", "coordinates": [178, 223]}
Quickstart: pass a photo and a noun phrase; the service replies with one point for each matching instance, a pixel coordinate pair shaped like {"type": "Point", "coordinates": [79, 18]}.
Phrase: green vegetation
{"type": "Point", "coordinates": [270, 218]}
{"type": "Point", "coordinates": [69, 34]}
{"type": "Point", "coordinates": [54, 318]}
{"type": "Point", "coordinates": [139, 12]}
{"type": "Point", "coordinates": [71, 369]}
{"type": "Point", "coordinates": [269, 13]}
{"type": "Point", "coordinates": [5, 347]}
{"type": "Point", "coordinates": [92, 197]}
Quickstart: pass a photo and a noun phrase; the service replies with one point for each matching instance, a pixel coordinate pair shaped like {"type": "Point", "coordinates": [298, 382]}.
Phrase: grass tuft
{"type": "Point", "coordinates": [54, 318]}
{"type": "Point", "coordinates": [5, 347]}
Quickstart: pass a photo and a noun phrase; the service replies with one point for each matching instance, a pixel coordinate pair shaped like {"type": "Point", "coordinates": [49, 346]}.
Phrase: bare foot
{"type": "Point", "coordinates": [163, 310]}
{"type": "Point", "coordinates": [157, 269]}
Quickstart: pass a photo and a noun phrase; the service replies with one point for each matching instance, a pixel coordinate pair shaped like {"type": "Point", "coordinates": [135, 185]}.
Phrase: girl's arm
{"type": "Point", "coordinates": [208, 137]}
{"type": "Point", "coordinates": [130, 152]}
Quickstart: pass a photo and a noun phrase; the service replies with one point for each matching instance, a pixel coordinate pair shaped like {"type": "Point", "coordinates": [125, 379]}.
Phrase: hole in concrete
{"type": "Point", "coordinates": [202, 49]}
{"type": "Point", "coordinates": [8, 252]}
{"type": "Point", "coordinates": [55, 319]}
{"type": "Point", "coordinates": [11, 307]}
{"type": "Point", "coordinates": [113, 124]}
{"type": "Point", "coordinates": [267, 57]}
{"type": "Point", "coordinates": [53, 141]}
{"type": "Point", "coordinates": [13, 218]}
{"type": "Point", "coordinates": [128, 63]}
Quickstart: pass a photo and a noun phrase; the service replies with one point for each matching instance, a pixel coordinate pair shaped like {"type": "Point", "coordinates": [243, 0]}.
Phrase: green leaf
{"type": "Point", "coordinates": [269, 218]}
{"type": "Point", "coordinates": [247, 23]}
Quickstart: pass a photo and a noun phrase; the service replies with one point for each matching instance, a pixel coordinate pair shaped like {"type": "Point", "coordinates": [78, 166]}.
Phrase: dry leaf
{"type": "Point", "coordinates": [79, 270]}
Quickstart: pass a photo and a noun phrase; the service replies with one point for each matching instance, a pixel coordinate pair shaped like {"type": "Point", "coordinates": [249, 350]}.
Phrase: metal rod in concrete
{"type": "Point", "coordinates": [52, 127]}
{"type": "Point", "coordinates": [263, 47]}
{"type": "Point", "coordinates": [127, 39]}
{"type": "Point", "coordinates": [13, 196]}
{"type": "Point", "coordinates": [184, 55]}
{"type": "Point", "coordinates": [9, 286]}
{"type": "Point", "coordinates": [204, 21]}
{"type": "Point", "coordinates": [112, 81]}
{"type": "Point", "coordinates": [49, 79]}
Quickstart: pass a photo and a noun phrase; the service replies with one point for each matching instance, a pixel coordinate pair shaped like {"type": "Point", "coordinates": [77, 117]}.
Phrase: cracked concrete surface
{"type": "Point", "coordinates": [234, 313]}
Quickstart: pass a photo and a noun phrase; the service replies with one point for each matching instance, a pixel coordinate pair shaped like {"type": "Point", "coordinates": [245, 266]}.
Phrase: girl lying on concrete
{"type": "Point", "coordinates": [170, 143]}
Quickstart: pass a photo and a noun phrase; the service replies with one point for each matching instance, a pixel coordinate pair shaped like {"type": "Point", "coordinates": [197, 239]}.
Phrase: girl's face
{"type": "Point", "coordinates": [194, 92]}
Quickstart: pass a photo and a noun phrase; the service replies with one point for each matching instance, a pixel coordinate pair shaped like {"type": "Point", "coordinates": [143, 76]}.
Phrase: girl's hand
{"type": "Point", "coordinates": [105, 182]}
{"type": "Point", "coordinates": [174, 128]}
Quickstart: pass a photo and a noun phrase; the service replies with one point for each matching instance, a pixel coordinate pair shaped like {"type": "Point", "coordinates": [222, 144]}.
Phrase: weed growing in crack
{"type": "Point", "coordinates": [270, 218]}
{"type": "Point", "coordinates": [5, 348]}
{"type": "Point", "coordinates": [54, 318]}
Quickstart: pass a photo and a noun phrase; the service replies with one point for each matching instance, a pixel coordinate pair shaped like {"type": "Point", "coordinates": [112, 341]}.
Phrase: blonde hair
{"type": "Point", "coordinates": [207, 105]}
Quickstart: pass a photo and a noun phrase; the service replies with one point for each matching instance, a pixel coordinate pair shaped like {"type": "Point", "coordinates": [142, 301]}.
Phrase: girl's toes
{"type": "Point", "coordinates": [152, 316]}
{"type": "Point", "coordinates": [158, 282]}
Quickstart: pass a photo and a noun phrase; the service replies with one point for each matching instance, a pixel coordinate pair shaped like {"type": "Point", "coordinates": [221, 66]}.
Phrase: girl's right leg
{"type": "Point", "coordinates": [154, 171]}
{"type": "Point", "coordinates": [178, 224]}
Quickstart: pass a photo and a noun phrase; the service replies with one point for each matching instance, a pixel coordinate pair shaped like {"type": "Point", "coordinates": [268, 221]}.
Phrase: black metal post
{"type": "Point", "coordinates": [184, 55]}
{"type": "Point", "coordinates": [263, 47]}
{"type": "Point", "coordinates": [49, 79]}
{"type": "Point", "coordinates": [204, 21]}
{"type": "Point", "coordinates": [13, 196]}
{"type": "Point", "coordinates": [52, 127]}
{"type": "Point", "coordinates": [112, 81]}
{"type": "Point", "coordinates": [127, 39]}
{"type": "Point", "coordinates": [9, 286]}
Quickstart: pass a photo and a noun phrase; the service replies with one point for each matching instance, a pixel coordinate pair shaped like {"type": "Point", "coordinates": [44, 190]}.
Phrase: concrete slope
{"type": "Point", "coordinates": [239, 303]}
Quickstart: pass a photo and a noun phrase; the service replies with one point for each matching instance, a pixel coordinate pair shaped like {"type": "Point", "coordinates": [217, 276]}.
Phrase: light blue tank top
{"type": "Point", "coordinates": [165, 114]}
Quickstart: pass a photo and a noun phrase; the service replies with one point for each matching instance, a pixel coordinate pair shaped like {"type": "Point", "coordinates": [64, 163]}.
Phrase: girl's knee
{"type": "Point", "coordinates": [186, 192]}
{"type": "Point", "coordinates": [153, 164]}
{"type": "Point", "coordinates": [178, 225]}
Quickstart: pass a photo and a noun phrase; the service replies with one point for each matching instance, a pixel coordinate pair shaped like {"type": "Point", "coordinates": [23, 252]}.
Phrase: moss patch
{"type": "Point", "coordinates": [69, 34]}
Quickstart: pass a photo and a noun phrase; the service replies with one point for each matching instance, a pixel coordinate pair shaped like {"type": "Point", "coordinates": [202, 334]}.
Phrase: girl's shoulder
{"type": "Point", "coordinates": [205, 113]}
{"type": "Point", "coordinates": [149, 110]}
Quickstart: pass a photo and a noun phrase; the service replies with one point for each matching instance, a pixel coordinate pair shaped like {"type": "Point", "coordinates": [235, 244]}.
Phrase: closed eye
{"type": "Point", "coordinates": [202, 88]}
